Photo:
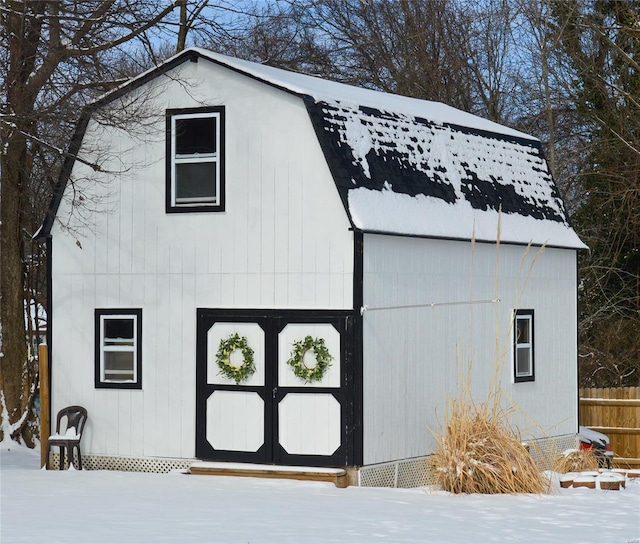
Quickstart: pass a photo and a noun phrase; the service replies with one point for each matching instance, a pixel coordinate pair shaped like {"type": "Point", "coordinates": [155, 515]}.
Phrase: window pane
{"type": "Point", "coordinates": [196, 135]}
{"type": "Point", "coordinates": [522, 331]}
{"type": "Point", "coordinates": [118, 332]}
{"type": "Point", "coordinates": [523, 362]}
{"type": "Point", "coordinates": [118, 365]}
{"type": "Point", "coordinates": [196, 181]}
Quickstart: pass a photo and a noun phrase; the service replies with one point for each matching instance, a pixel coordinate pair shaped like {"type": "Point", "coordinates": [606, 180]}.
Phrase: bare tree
{"type": "Point", "coordinates": [59, 53]}
{"type": "Point", "coordinates": [601, 41]}
{"type": "Point", "coordinates": [274, 33]}
{"type": "Point", "coordinates": [544, 103]}
{"type": "Point", "coordinates": [412, 47]}
{"type": "Point", "coordinates": [454, 51]}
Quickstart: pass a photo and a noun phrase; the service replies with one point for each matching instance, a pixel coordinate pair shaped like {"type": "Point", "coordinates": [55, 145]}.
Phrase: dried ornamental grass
{"type": "Point", "coordinates": [575, 461]}
{"type": "Point", "coordinates": [477, 453]}
{"type": "Point", "coordinates": [478, 450]}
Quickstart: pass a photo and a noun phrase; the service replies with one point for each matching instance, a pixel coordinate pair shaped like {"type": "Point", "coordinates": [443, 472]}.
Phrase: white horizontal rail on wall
{"type": "Point", "coordinates": [366, 308]}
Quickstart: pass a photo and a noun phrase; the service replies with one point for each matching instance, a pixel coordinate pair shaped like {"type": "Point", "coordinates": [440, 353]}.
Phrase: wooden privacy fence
{"type": "Point", "coordinates": [615, 411]}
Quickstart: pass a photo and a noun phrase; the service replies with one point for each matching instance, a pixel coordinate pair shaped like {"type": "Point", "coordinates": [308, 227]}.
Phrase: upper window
{"type": "Point", "coordinates": [118, 349]}
{"type": "Point", "coordinates": [195, 160]}
{"type": "Point", "coordinates": [523, 346]}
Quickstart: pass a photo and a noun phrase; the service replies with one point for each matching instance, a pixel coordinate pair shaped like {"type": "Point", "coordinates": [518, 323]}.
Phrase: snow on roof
{"type": "Point", "coordinates": [407, 175]}
{"type": "Point", "coordinates": [322, 89]}
{"type": "Point", "coordinates": [413, 167]}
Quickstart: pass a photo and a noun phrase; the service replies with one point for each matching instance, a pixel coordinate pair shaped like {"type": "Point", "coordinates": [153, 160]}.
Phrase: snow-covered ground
{"type": "Point", "coordinates": [89, 507]}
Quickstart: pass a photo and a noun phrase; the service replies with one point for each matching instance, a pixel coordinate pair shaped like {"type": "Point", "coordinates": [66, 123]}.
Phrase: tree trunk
{"type": "Point", "coordinates": [182, 30]}
{"type": "Point", "coordinates": [15, 371]}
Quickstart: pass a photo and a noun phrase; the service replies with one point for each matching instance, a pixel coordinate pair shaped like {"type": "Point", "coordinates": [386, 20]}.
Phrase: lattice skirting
{"type": "Point", "coordinates": [417, 472]}
{"type": "Point", "coordinates": [414, 472]}
{"type": "Point", "coordinates": [405, 473]}
{"type": "Point", "coordinates": [546, 450]}
{"type": "Point", "coordinates": [128, 464]}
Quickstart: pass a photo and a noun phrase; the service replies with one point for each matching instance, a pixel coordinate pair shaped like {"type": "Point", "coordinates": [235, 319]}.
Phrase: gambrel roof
{"type": "Point", "coordinates": [418, 168]}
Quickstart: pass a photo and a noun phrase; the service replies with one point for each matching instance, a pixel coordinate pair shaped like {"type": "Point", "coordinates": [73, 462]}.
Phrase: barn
{"type": "Point", "coordinates": [258, 266]}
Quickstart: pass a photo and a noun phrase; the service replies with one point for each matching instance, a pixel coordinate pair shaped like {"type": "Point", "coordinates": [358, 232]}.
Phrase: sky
{"type": "Point", "coordinates": [94, 507]}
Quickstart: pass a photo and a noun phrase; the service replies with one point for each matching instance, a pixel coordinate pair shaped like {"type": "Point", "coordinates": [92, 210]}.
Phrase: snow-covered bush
{"type": "Point", "coordinates": [575, 461]}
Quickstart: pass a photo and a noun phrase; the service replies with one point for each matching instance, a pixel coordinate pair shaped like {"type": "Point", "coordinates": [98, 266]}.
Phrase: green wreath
{"type": "Point", "coordinates": [323, 359]}
{"type": "Point", "coordinates": [227, 346]}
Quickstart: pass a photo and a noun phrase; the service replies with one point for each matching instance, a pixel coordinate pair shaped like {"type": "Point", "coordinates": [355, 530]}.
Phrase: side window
{"type": "Point", "coordinates": [195, 160]}
{"type": "Point", "coordinates": [523, 343]}
{"type": "Point", "coordinates": [118, 355]}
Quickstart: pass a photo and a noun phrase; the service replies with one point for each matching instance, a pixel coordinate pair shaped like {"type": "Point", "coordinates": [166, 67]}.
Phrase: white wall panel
{"type": "Point", "coordinates": [282, 286]}
{"type": "Point", "coordinates": [125, 232]}
{"type": "Point", "coordinates": [267, 290]}
{"type": "Point", "coordinates": [138, 241]}
{"type": "Point", "coordinates": [225, 297]}
{"type": "Point", "coordinates": [87, 257]}
{"type": "Point", "coordinates": [414, 358]}
{"type": "Point", "coordinates": [137, 424]}
{"type": "Point", "coordinates": [320, 288]}
{"type": "Point", "coordinates": [253, 288]}
{"type": "Point", "coordinates": [214, 250]}
{"type": "Point", "coordinates": [283, 225]}
{"type": "Point", "coordinates": [125, 423]}
{"type": "Point", "coordinates": [338, 290]}
{"type": "Point", "coordinates": [113, 248]}
{"type": "Point", "coordinates": [176, 355]}
{"type": "Point", "coordinates": [150, 255]}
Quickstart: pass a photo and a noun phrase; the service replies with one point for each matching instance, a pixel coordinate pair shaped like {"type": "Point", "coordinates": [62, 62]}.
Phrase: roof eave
{"type": "Point", "coordinates": [468, 240]}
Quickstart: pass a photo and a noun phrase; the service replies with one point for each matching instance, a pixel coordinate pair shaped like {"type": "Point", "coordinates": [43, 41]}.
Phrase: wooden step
{"type": "Point", "coordinates": [317, 474]}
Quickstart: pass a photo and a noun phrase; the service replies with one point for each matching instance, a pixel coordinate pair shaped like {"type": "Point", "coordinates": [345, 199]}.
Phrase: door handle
{"type": "Point", "coordinates": [274, 392]}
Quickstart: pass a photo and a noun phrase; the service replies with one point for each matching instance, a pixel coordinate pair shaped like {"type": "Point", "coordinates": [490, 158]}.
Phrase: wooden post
{"type": "Point", "coordinates": [45, 408]}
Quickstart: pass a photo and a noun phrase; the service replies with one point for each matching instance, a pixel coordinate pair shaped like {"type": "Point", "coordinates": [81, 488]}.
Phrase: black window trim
{"type": "Point", "coordinates": [133, 312]}
{"type": "Point", "coordinates": [531, 377]}
{"type": "Point", "coordinates": [169, 206]}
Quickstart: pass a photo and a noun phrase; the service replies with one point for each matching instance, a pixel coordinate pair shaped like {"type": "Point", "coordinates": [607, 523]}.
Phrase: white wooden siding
{"type": "Point", "coordinates": [414, 358]}
{"type": "Point", "coordinates": [283, 242]}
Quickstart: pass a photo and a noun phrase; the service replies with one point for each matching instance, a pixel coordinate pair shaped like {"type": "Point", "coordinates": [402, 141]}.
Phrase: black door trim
{"type": "Point", "coordinates": [273, 322]}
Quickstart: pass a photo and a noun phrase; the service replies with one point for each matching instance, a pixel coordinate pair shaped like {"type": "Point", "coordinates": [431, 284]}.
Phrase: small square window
{"type": "Point", "coordinates": [195, 160]}
{"type": "Point", "coordinates": [118, 349]}
{"type": "Point", "coordinates": [523, 361]}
